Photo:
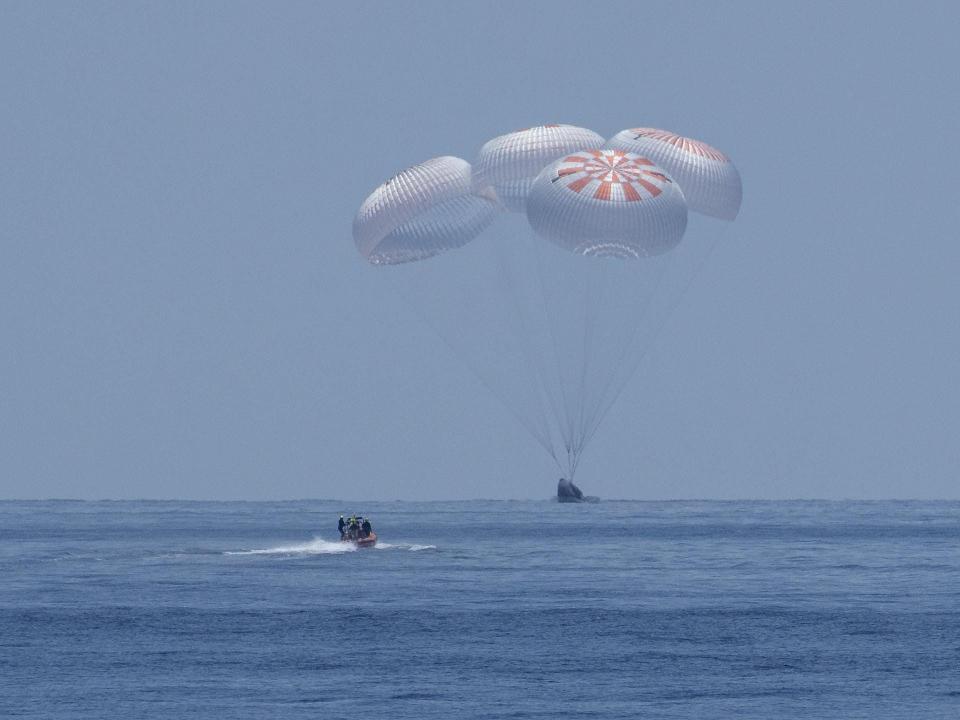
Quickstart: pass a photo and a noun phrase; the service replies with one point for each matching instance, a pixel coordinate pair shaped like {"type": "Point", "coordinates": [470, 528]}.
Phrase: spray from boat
{"type": "Point", "coordinates": [319, 546]}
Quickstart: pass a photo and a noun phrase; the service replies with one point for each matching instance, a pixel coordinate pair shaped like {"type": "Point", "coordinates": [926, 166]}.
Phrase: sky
{"type": "Point", "coordinates": [183, 313]}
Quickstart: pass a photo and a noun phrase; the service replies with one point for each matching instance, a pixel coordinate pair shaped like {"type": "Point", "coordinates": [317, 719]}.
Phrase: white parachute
{"type": "Point", "coordinates": [510, 163]}
{"type": "Point", "coordinates": [423, 211]}
{"type": "Point", "coordinates": [553, 309]}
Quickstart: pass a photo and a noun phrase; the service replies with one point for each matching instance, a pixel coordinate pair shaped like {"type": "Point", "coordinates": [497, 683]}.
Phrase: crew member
{"type": "Point", "coordinates": [366, 527]}
{"type": "Point", "coordinates": [340, 526]}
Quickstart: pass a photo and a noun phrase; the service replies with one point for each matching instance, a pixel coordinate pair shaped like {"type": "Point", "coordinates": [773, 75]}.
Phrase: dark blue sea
{"type": "Point", "coordinates": [480, 609]}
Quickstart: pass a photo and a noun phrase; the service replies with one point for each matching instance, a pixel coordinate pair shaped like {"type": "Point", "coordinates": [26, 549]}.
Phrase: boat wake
{"type": "Point", "coordinates": [319, 546]}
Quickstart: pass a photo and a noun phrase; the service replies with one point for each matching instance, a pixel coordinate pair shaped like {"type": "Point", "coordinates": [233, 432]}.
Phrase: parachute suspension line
{"type": "Point", "coordinates": [593, 302]}
{"type": "Point", "coordinates": [576, 464]}
{"type": "Point", "coordinates": [544, 442]}
{"type": "Point", "coordinates": [536, 372]}
{"type": "Point", "coordinates": [584, 361]}
{"type": "Point", "coordinates": [671, 308]}
{"type": "Point", "coordinates": [616, 378]}
{"type": "Point", "coordinates": [552, 386]}
{"type": "Point", "coordinates": [620, 351]}
{"type": "Point", "coordinates": [563, 420]}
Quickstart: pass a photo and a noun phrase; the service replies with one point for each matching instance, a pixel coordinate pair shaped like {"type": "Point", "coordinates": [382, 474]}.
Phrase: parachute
{"type": "Point", "coordinates": [509, 164]}
{"type": "Point", "coordinates": [607, 203]}
{"type": "Point", "coordinates": [554, 303]}
{"type": "Point", "coordinates": [710, 182]}
{"type": "Point", "coordinates": [423, 211]}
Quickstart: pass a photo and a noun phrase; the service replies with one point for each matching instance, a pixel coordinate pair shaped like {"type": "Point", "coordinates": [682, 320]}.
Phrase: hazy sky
{"type": "Point", "coordinates": [183, 312]}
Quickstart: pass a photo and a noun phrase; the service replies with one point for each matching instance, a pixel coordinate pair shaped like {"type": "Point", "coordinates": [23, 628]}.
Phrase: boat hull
{"type": "Point", "coordinates": [368, 541]}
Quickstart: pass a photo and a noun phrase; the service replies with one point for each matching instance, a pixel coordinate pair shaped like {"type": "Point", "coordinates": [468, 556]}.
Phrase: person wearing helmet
{"type": "Point", "coordinates": [340, 526]}
{"type": "Point", "coordinates": [365, 528]}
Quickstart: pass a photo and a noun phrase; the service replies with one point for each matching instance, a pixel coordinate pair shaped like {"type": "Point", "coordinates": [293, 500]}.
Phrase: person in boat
{"type": "Point", "coordinates": [354, 528]}
{"type": "Point", "coordinates": [340, 526]}
{"type": "Point", "coordinates": [365, 528]}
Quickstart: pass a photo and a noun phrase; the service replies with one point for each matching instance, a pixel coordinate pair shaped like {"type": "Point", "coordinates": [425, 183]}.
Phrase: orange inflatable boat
{"type": "Point", "coordinates": [369, 541]}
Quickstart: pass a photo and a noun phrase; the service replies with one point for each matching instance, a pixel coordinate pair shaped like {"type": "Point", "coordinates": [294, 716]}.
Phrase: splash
{"type": "Point", "coordinates": [318, 546]}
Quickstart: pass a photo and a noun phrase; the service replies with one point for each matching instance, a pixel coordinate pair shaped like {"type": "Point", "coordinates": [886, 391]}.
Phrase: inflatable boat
{"type": "Point", "coordinates": [368, 541]}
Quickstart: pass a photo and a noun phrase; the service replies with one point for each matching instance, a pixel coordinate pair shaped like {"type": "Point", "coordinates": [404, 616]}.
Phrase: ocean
{"type": "Point", "coordinates": [480, 609]}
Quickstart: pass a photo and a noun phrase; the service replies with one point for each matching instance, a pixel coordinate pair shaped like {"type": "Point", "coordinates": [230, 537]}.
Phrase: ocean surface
{"type": "Point", "coordinates": [480, 609]}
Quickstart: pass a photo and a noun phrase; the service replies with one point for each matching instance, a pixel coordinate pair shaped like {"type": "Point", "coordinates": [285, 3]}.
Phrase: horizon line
{"type": "Point", "coordinates": [475, 499]}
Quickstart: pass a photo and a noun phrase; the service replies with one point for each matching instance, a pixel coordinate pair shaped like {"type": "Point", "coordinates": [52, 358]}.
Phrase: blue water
{"type": "Point", "coordinates": [480, 610]}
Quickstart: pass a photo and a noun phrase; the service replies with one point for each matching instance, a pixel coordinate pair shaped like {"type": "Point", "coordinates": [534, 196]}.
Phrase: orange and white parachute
{"type": "Point", "coordinates": [607, 203]}
{"type": "Point", "coordinates": [709, 180]}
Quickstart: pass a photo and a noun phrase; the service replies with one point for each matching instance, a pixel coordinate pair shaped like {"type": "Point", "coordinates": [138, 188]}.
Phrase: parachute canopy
{"type": "Point", "coordinates": [608, 203]}
{"type": "Point", "coordinates": [551, 321]}
{"type": "Point", "coordinates": [710, 182]}
{"type": "Point", "coordinates": [510, 163]}
{"type": "Point", "coordinates": [425, 210]}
